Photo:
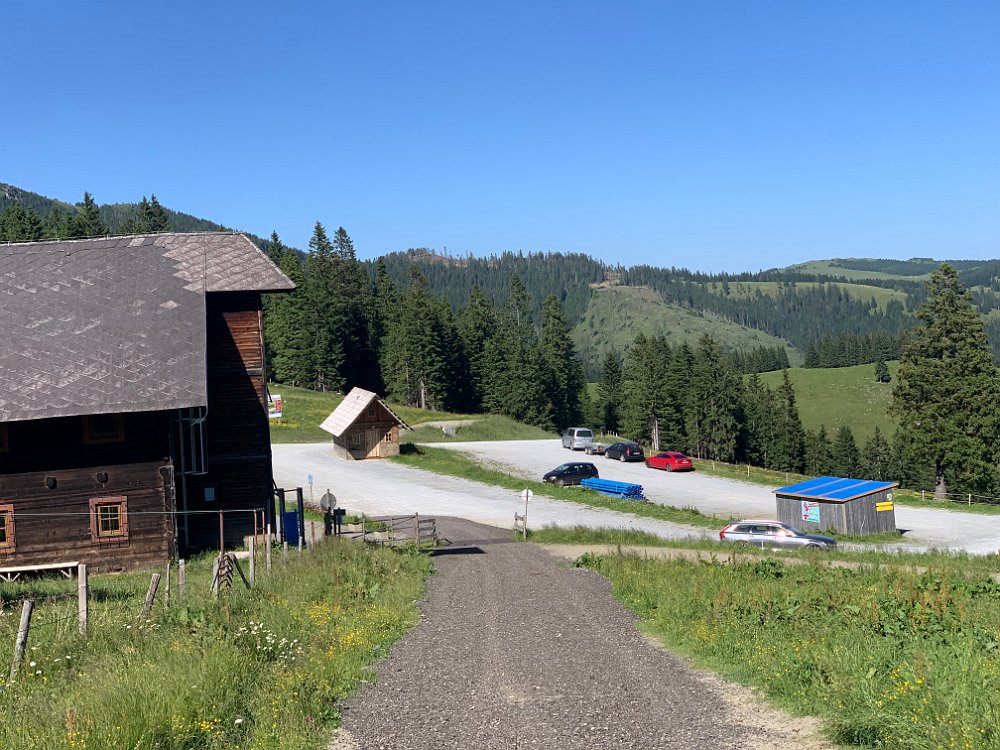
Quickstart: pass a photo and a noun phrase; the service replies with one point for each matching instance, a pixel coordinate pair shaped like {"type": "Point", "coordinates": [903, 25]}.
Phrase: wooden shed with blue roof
{"type": "Point", "coordinates": [850, 506]}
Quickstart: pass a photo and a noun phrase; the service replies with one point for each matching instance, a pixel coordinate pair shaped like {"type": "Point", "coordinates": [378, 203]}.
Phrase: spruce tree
{"type": "Point", "coordinates": [882, 371]}
{"type": "Point", "coordinates": [947, 394]}
{"type": "Point", "coordinates": [877, 459]}
{"type": "Point", "coordinates": [789, 445]}
{"type": "Point", "coordinates": [88, 221]}
{"type": "Point", "coordinates": [819, 453]}
{"type": "Point", "coordinates": [477, 325]}
{"type": "Point", "coordinates": [609, 394]}
{"type": "Point", "coordinates": [712, 405]}
{"type": "Point", "coordinates": [152, 216]}
{"type": "Point", "coordinates": [563, 375]}
{"type": "Point", "coordinates": [845, 455]}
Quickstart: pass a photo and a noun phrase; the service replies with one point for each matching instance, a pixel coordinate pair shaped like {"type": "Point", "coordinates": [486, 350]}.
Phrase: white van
{"type": "Point", "coordinates": [577, 438]}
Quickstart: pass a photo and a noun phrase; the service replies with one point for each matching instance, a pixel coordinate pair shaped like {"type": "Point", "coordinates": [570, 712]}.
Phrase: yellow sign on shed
{"type": "Point", "coordinates": [884, 505]}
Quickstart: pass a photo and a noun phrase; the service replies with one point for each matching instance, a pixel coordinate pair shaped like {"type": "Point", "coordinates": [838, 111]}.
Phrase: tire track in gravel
{"type": "Point", "coordinates": [516, 650]}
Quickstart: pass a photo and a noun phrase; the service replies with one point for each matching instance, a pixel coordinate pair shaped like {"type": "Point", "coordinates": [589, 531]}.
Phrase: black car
{"type": "Point", "coordinates": [571, 473]}
{"type": "Point", "coordinates": [626, 450]}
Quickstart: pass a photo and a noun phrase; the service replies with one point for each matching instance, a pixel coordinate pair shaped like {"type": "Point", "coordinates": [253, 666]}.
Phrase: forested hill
{"type": "Point", "coordinates": [821, 313]}
{"type": "Point", "coordinates": [115, 215]}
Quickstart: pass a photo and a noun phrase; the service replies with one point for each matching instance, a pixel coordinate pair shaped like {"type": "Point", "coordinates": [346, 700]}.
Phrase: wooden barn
{"type": "Point", "coordinates": [363, 426]}
{"type": "Point", "coordinates": [132, 397]}
{"type": "Point", "coordinates": [850, 506]}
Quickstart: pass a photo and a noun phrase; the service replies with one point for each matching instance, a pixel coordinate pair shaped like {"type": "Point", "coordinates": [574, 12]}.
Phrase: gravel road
{"type": "Point", "coordinates": [515, 650]}
{"type": "Point", "coordinates": [380, 487]}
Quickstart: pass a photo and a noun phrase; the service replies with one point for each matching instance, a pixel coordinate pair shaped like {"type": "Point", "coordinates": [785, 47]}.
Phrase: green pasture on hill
{"type": "Point", "coordinates": [826, 268]}
{"type": "Point", "coordinates": [747, 289]}
{"type": "Point", "coordinates": [615, 315]}
{"type": "Point", "coordinates": [303, 411]}
{"type": "Point", "coordinates": [842, 396]}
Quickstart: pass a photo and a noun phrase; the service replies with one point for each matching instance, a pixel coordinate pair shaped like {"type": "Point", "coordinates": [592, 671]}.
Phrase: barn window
{"type": "Point", "coordinates": [103, 428]}
{"type": "Point", "coordinates": [388, 437]}
{"type": "Point", "coordinates": [108, 519]}
{"type": "Point", "coordinates": [6, 528]}
{"type": "Point", "coordinates": [355, 440]}
{"type": "Point", "coordinates": [4, 440]}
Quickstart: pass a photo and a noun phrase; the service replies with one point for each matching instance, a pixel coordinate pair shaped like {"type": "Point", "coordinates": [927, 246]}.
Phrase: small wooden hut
{"type": "Point", "coordinates": [363, 426]}
{"type": "Point", "coordinates": [850, 506]}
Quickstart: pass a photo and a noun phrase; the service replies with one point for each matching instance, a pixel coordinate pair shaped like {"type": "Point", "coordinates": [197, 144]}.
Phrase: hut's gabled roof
{"type": "Point", "coordinates": [110, 325]}
{"type": "Point", "coordinates": [352, 407]}
{"type": "Point", "coordinates": [834, 489]}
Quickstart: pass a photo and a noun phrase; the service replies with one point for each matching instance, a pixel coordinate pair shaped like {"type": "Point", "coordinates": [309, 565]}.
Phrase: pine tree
{"type": "Point", "coordinates": [819, 453]}
{"type": "Point", "coordinates": [477, 325]}
{"type": "Point", "coordinates": [563, 375]}
{"type": "Point", "coordinates": [789, 448]}
{"type": "Point", "coordinates": [947, 394]}
{"type": "Point", "coordinates": [845, 455]}
{"type": "Point", "coordinates": [609, 395]}
{"type": "Point", "coordinates": [88, 221]}
{"type": "Point", "coordinates": [759, 423]}
{"type": "Point", "coordinates": [882, 371]}
{"type": "Point", "coordinates": [646, 392]}
{"type": "Point", "coordinates": [877, 460]}
{"type": "Point", "coordinates": [289, 325]}
{"type": "Point", "coordinates": [325, 349]}
{"type": "Point", "coordinates": [712, 405]}
{"type": "Point", "coordinates": [153, 217]}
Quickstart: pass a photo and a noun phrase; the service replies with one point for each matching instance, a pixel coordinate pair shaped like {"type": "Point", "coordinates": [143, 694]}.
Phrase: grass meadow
{"type": "Point", "coordinates": [260, 669]}
{"type": "Point", "coordinates": [887, 657]}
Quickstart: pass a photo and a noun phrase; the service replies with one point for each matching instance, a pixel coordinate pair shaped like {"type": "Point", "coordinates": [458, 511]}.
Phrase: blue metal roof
{"type": "Point", "coordinates": [835, 489]}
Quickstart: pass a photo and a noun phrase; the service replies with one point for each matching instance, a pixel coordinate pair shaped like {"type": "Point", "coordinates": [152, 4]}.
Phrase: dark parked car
{"type": "Point", "coordinates": [773, 535]}
{"type": "Point", "coordinates": [573, 472]}
{"type": "Point", "coordinates": [626, 450]}
{"type": "Point", "coordinates": [670, 461]}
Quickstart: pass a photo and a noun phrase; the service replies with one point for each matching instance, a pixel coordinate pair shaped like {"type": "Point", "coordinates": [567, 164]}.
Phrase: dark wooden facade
{"type": "Point", "coordinates": [133, 409]}
{"type": "Point", "coordinates": [237, 433]}
{"type": "Point", "coordinates": [51, 477]}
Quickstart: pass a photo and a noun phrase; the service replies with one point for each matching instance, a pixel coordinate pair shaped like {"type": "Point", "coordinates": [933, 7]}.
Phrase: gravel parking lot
{"type": "Point", "coordinates": [380, 487]}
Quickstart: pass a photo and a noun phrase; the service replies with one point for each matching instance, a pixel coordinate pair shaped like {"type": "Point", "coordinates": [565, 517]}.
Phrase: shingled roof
{"type": "Point", "coordinates": [348, 411]}
{"type": "Point", "coordinates": [99, 326]}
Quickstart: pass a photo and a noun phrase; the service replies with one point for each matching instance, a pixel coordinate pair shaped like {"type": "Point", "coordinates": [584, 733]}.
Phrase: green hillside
{"type": "Point", "coordinates": [842, 396]}
{"type": "Point", "coordinates": [617, 314]}
{"type": "Point", "coordinates": [747, 289]}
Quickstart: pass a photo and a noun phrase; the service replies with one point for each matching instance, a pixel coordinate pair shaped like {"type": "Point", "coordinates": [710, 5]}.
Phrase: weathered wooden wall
{"type": "Point", "coordinates": [54, 525]}
{"type": "Point", "coordinates": [857, 516]}
{"type": "Point", "coordinates": [239, 441]}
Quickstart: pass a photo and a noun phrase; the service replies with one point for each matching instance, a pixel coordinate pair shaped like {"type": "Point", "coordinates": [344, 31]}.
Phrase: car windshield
{"type": "Point", "coordinates": [584, 434]}
{"type": "Point", "coordinates": [561, 467]}
{"type": "Point", "coordinates": [792, 530]}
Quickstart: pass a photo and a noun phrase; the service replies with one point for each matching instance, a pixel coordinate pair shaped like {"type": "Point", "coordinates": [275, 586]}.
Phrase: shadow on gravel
{"type": "Point", "coordinates": [457, 551]}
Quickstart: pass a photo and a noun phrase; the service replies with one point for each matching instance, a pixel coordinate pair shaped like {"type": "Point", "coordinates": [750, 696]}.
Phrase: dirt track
{"type": "Point", "coordinates": [516, 649]}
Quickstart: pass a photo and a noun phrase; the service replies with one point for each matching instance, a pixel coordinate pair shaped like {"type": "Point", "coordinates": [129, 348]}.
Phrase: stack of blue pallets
{"type": "Point", "coordinates": [615, 489]}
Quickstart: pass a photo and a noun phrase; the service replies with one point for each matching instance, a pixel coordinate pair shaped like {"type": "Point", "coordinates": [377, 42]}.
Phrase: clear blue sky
{"type": "Point", "coordinates": [713, 134]}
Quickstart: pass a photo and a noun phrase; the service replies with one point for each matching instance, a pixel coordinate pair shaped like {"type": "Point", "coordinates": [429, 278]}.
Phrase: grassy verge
{"type": "Point", "coordinates": [255, 669]}
{"type": "Point", "coordinates": [888, 658]}
{"type": "Point", "coordinates": [457, 464]}
{"type": "Point", "coordinates": [888, 558]}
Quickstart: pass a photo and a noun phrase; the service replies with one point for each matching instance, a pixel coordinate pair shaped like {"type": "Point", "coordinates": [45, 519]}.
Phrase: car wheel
{"type": "Point", "coordinates": [563, 482]}
{"type": "Point", "coordinates": [812, 546]}
{"type": "Point", "coordinates": [622, 458]}
{"type": "Point", "coordinates": [743, 544]}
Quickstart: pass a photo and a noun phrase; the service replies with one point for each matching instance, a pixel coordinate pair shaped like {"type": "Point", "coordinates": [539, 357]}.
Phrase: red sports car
{"type": "Point", "coordinates": [670, 461]}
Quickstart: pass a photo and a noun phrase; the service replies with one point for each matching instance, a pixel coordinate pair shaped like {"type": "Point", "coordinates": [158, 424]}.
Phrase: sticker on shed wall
{"type": "Point", "coordinates": [810, 511]}
{"type": "Point", "coordinates": [883, 505]}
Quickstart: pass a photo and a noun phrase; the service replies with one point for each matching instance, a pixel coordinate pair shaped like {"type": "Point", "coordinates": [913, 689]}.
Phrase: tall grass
{"type": "Point", "coordinates": [255, 669]}
{"type": "Point", "coordinates": [891, 658]}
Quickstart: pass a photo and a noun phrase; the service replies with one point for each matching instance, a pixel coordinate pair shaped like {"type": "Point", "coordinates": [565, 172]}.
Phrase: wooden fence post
{"type": "Point", "coordinates": [22, 637]}
{"type": "Point", "coordinates": [267, 547]}
{"type": "Point", "coordinates": [166, 588]}
{"type": "Point", "coordinates": [253, 556]}
{"type": "Point", "coordinates": [82, 596]}
{"type": "Point", "coordinates": [180, 579]}
{"type": "Point", "coordinates": [154, 583]}
{"type": "Point", "coordinates": [215, 577]}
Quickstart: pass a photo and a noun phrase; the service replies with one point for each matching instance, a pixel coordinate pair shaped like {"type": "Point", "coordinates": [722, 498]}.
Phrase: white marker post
{"type": "Point", "coordinates": [526, 495]}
